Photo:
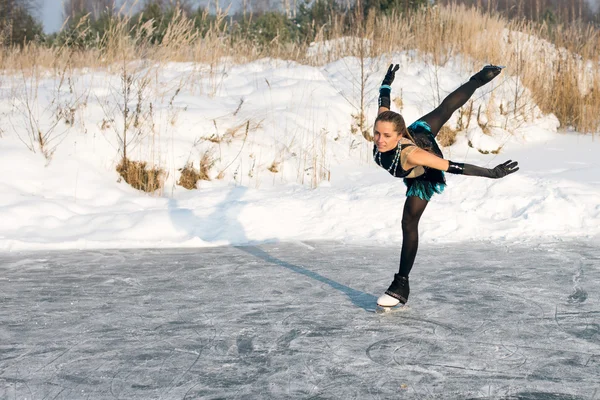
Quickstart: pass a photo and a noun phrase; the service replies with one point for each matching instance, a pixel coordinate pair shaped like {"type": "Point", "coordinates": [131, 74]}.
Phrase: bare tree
{"type": "Point", "coordinates": [74, 8]}
{"type": "Point", "coordinates": [183, 5]}
{"type": "Point", "coordinates": [100, 6]}
{"type": "Point", "coordinates": [565, 11]}
{"type": "Point", "coordinates": [17, 21]}
{"type": "Point", "coordinates": [261, 6]}
{"type": "Point", "coordinates": [71, 8]}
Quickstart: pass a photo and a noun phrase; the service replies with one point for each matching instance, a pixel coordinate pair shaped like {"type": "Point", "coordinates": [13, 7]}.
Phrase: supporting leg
{"type": "Point", "coordinates": [413, 209]}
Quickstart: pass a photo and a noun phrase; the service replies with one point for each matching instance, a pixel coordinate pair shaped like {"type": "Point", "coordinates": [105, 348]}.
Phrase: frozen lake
{"type": "Point", "coordinates": [296, 320]}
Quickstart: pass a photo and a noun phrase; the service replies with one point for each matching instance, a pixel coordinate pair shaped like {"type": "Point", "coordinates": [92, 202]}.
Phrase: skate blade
{"type": "Point", "coordinates": [388, 310]}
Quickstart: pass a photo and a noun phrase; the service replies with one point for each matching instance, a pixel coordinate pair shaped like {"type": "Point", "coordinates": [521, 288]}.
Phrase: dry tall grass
{"type": "Point", "coordinates": [560, 80]}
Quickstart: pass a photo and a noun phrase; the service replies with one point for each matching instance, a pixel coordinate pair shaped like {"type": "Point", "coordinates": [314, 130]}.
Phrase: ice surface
{"type": "Point", "coordinates": [296, 320]}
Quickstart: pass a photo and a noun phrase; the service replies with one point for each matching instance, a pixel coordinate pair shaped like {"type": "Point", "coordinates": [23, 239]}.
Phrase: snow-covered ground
{"type": "Point", "coordinates": [284, 161]}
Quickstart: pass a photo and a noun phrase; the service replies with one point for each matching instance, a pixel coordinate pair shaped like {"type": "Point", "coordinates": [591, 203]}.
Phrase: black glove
{"type": "Point", "coordinates": [488, 73]}
{"type": "Point", "coordinates": [390, 75]}
{"type": "Point", "coordinates": [500, 171]}
{"type": "Point", "coordinates": [385, 90]}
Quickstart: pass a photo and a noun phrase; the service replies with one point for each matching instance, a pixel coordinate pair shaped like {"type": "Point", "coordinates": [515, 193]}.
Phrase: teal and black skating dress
{"type": "Point", "coordinates": [422, 182]}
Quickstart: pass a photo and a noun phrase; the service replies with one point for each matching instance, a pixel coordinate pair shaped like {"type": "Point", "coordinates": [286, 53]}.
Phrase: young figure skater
{"type": "Point", "coordinates": [413, 154]}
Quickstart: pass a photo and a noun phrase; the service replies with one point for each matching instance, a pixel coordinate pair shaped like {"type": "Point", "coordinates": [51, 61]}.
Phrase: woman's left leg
{"type": "Point", "coordinates": [413, 209]}
{"type": "Point", "coordinates": [399, 289]}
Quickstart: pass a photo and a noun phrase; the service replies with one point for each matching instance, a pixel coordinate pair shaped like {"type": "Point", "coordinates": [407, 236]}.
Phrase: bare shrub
{"type": "Point", "coordinates": [464, 116]}
{"type": "Point", "coordinates": [42, 122]}
{"type": "Point", "coordinates": [447, 136]}
{"type": "Point", "coordinates": [399, 102]}
{"type": "Point", "coordinates": [140, 176]}
{"type": "Point", "coordinates": [206, 164]}
{"type": "Point", "coordinates": [359, 125]}
{"type": "Point", "coordinates": [189, 176]}
{"type": "Point", "coordinates": [274, 167]}
{"type": "Point", "coordinates": [131, 106]}
{"type": "Point", "coordinates": [240, 130]}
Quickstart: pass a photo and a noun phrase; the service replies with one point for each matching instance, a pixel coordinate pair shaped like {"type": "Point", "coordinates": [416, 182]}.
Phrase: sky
{"type": "Point", "coordinates": [52, 13]}
{"type": "Point", "coordinates": [283, 162]}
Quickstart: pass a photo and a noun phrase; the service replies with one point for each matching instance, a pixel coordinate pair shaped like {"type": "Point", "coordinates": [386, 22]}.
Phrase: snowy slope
{"type": "Point", "coordinates": [285, 164]}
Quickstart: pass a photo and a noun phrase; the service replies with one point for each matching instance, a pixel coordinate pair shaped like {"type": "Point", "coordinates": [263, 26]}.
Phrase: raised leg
{"type": "Point", "coordinates": [455, 100]}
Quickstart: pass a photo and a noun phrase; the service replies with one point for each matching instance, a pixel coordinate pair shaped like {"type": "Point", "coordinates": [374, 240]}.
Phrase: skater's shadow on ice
{"type": "Point", "coordinates": [360, 299]}
{"type": "Point", "coordinates": [223, 224]}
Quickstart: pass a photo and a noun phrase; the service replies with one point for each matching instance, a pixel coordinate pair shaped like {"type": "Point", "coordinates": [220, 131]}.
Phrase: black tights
{"type": "Point", "coordinates": [414, 206]}
{"type": "Point", "coordinates": [413, 209]}
{"type": "Point", "coordinates": [455, 100]}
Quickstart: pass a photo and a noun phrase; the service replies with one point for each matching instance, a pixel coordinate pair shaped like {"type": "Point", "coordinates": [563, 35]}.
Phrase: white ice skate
{"type": "Point", "coordinates": [395, 297]}
{"type": "Point", "coordinates": [387, 303]}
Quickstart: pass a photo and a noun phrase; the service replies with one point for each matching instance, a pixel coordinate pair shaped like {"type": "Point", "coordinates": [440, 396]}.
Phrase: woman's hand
{"type": "Point", "coordinates": [507, 168]}
{"type": "Point", "coordinates": [385, 90]}
{"type": "Point", "coordinates": [390, 75]}
{"type": "Point", "coordinates": [500, 171]}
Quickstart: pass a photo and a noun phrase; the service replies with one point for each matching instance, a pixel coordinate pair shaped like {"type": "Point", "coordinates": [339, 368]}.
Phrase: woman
{"type": "Point", "coordinates": [413, 154]}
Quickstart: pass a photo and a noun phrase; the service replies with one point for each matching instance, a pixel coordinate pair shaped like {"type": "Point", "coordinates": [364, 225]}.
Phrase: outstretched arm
{"type": "Point", "coordinates": [385, 90]}
{"type": "Point", "coordinates": [426, 159]}
{"type": "Point", "coordinates": [455, 100]}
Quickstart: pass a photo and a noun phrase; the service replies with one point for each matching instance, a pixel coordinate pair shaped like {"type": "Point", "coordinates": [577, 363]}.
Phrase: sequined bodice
{"type": "Point", "coordinates": [391, 160]}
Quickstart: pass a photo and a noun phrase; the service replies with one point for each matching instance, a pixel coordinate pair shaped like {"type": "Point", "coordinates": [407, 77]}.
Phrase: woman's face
{"type": "Point", "coordinates": [385, 136]}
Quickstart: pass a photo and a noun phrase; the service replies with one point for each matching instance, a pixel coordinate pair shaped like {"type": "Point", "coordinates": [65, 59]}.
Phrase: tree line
{"type": "Point", "coordinates": [260, 20]}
